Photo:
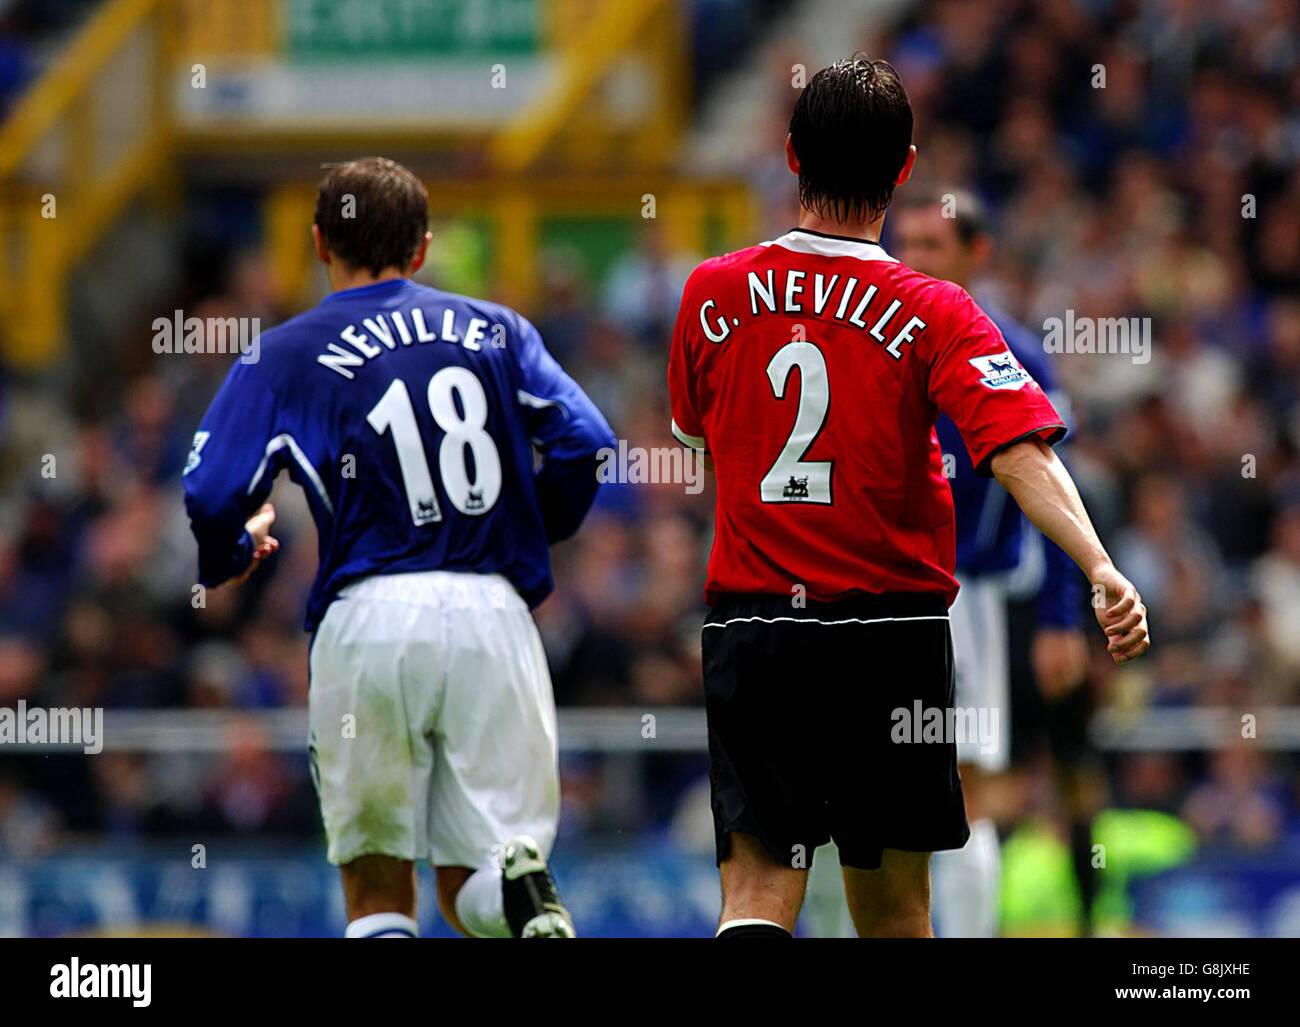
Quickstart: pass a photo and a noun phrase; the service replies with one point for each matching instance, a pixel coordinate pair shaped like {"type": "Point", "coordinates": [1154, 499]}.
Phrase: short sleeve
{"type": "Point", "coordinates": [978, 382]}
{"type": "Point", "coordinates": [687, 426]}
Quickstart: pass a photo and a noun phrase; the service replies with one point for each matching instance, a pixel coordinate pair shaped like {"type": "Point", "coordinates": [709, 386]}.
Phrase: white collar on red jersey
{"type": "Point", "coordinates": [804, 240]}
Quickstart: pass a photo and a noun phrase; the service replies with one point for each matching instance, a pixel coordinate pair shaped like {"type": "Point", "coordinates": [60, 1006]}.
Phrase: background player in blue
{"type": "Point", "coordinates": [409, 417]}
{"type": "Point", "coordinates": [999, 556]}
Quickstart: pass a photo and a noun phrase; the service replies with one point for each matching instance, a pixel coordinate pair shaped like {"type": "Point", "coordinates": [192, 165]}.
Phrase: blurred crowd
{"type": "Point", "coordinates": [1141, 159]}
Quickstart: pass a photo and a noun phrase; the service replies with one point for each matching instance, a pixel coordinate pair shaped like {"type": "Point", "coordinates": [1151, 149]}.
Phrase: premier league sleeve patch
{"type": "Point", "coordinates": [1001, 371]}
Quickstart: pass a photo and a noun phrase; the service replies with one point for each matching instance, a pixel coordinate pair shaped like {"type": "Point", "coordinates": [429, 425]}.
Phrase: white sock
{"type": "Point", "coordinates": [964, 885]}
{"type": "Point", "coordinates": [481, 906]}
{"type": "Point", "coordinates": [383, 925]}
{"type": "Point", "coordinates": [752, 921]}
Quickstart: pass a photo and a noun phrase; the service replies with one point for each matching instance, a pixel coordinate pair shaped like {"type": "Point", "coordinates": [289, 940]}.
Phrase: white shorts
{"type": "Point", "coordinates": [432, 720]}
{"type": "Point", "coordinates": [978, 620]}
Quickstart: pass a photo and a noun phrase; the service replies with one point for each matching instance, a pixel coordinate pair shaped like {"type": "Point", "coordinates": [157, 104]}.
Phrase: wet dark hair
{"type": "Point", "coordinates": [851, 131]}
{"type": "Point", "coordinates": [373, 213]}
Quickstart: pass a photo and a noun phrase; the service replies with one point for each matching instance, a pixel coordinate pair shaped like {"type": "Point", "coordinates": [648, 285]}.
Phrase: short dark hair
{"type": "Point", "coordinates": [372, 213]}
{"type": "Point", "coordinates": [851, 131]}
{"type": "Point", "coordinates": [969, 215]}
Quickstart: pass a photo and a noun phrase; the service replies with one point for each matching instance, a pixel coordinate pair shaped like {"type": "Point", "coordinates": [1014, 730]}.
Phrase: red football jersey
{"type": "Point", "coordinates": [811, 370]}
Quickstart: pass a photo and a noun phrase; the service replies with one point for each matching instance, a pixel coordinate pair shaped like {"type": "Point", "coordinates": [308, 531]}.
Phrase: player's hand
{"type": "Point", "coordinates": [264, 544]}
{"type": "Point", "coordinates": [1060, 660]}
{"type": "Point", "coordinates": [1121, 614]}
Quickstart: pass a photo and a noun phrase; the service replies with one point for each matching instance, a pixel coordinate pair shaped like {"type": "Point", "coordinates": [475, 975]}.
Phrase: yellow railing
{"type": "Point", "coordinates": [516, 211]}
{"type": "Point", "coordinates": [75, 150]}
{"type": "Point", "coordinates": [227, 28]}
{"type": "Point", "coordinates": [99, 129]}
{"type": "Point", "coordinates": [594, 41]}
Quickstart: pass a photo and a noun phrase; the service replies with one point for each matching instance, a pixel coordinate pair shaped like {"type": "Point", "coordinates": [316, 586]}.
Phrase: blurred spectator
{"type": "Point", "coordinates": [645, 285]}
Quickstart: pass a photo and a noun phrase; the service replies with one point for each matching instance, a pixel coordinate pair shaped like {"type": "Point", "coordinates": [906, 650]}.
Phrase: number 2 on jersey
{"type": "Point", "coordinates": [395, 413]}
{"type": "Point", "coordinates": [791, 479]}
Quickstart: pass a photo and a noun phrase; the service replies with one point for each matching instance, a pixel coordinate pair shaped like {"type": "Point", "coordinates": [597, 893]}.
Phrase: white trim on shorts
{"type": "Point", "coordinates": [826, 623]}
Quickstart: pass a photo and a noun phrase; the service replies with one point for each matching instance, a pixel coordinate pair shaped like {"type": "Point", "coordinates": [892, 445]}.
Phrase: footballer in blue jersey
{"type": "Point", "coordinates": [999, 557]}
{"type": "Point", "coordinates": [410, 417]}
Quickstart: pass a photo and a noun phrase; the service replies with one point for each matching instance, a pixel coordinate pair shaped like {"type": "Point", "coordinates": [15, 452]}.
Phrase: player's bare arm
{"type": "Point", "coordinates": [1044, 490]}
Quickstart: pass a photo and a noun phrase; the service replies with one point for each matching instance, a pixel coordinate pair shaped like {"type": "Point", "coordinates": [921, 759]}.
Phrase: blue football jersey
{"type": "Point", "coordinates": [409, 417]}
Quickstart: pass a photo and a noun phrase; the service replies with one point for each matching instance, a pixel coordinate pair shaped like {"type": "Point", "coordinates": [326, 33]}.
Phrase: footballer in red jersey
{"type": "Point", "coordinates": [810, 369]}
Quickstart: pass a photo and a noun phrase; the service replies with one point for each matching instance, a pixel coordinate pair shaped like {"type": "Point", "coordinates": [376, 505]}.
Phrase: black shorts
{"type": "Point", "coordinates": [813, 732]}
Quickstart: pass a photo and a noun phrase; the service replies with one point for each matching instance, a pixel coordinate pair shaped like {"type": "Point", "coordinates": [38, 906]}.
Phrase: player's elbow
{"type": "Point", "coordinates": [216, 522]}
{"type": "Point", "coordinates": [202, 508]}
{"type": "Point", "coordinates": [585, 442]}
{"type": "Point", "coordinates": [566, 490]}
{"type": "Point", "coordinates": [1019, 461]}
{"type": "Point", "coordinates": [209, 511]}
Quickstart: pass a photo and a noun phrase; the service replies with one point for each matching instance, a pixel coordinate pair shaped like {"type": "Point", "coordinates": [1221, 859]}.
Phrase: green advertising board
{"type": "Point", "coordinates": [408, 28]}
